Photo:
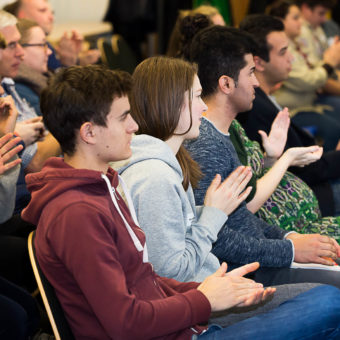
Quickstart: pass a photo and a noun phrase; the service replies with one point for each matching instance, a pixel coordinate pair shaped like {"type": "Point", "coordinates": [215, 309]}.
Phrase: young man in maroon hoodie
{"type": "Point", "coordinates": [91, 249]}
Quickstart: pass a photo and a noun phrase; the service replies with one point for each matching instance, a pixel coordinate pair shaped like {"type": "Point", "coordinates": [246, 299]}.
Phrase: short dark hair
{"type": "Point", "coordinates": [313, 3]}
{"type": "Point", "coordinates": [280, 8]}
{"type": "Point", "coordinates": [189, 27]}
{"type": "Point", "coordinates": [219, 50]}
{"type": "Point", "coordinates": [80, 94]}
{"type": "Point", "coordinates": [259, 26]}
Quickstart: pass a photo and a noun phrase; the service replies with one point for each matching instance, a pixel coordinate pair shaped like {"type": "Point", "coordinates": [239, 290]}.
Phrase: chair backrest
{"type": "Point", "coordinates": [59, 324]}
{"type": "Point", "coordinates": [117, 54]}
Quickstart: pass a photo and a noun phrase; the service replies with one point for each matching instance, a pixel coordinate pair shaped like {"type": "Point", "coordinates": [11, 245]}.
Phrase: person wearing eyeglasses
{"type": "Point", "coordinates": [33, 71]}
{"type": "Point", "coordinates": [39, 145]}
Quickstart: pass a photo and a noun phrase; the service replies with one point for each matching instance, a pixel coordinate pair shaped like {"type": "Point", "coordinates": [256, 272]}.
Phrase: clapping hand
{"type": "Point", "coordinates": [8, 149]}
{"type": "Point", "coordinates": [275, 142]}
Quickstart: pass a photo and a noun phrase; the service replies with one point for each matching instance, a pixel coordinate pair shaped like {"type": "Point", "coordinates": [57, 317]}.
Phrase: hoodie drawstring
{"type": "Point", "coordinates": [133, 236]}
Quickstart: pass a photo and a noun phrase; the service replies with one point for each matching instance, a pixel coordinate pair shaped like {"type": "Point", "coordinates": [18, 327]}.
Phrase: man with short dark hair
{"type": "Point", "coordinates": [272, 66]}
{"type": "Point", "coordinates": [226, 71]}
{"type": "Point", "coordinates": [311, 91]}
{"type": "Point", "coordinates": [91, 249]}
{"type": "Point", "coordinates": [312, 39]}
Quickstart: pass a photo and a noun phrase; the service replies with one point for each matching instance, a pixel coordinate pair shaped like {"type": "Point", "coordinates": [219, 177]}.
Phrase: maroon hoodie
{"type": "Point", "coordinates": [87, 252]}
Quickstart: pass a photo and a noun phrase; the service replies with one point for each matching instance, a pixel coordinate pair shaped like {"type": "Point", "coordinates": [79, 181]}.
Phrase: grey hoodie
{"type": "Point", "coordinates": [179, 235]}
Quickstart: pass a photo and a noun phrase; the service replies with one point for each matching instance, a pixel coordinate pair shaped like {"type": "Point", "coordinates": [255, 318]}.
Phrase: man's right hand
{"type": "Point", "coordinates": [313, 248]}
{"type": "Point", "coordinates": [230, 290]}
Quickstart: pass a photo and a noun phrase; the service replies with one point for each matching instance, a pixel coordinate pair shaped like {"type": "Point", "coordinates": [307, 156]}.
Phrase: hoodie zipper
{"type": "Point", "coordinates": [114, 191]}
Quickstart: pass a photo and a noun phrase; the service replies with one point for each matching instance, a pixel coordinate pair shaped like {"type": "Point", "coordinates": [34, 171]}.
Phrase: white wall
{"type": "Point", "coordinates": [75, 10]}
{"type": "Point", "coordinates": [79, 10]}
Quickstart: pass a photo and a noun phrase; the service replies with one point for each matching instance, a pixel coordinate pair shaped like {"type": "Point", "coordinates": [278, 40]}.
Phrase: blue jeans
{"type": "Point", "coordinates": [314, 314]}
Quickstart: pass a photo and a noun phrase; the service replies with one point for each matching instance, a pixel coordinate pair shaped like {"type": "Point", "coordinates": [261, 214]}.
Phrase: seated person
{"type": "Point", "coordinates": [228, 84]}
{"type": "Point", "coordinates": [179, 234]}
{"type": "Point", "coordinates": [69, 49]}
{"type": "Point", "coordinates": [213, 16]}
{"type": "Point", "coordinates": [312, 39]}
{"type": "Point", "coordinates": [39, 145]}
{"type": "Point", "coordinates": [14, 261]}
{"type": "Point", "coordinates": [82, 219]}
{"type": "Point", "coordinates": [19, 313]}
{"type": "Point", "coordinates": [180, 231]}
{"type": "Point", "coordinates": [289, 203]}
{"type": "Point", "coordinates": [272, 66]}
{"type": "Point", "coordinates": [299, 92]}
{"type": "Point", "coordinates": [33, 73]}
{"type": "Point", "coordinates": [9, 161]}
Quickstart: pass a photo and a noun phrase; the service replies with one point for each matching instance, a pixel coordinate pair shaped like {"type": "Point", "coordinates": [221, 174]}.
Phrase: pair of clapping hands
{"type": "Point", "coordinates": [226, 290]}
{"type": "Point", "coordinates": [275, 142]}
{"type": "Point", "coordinates": [228, 195]}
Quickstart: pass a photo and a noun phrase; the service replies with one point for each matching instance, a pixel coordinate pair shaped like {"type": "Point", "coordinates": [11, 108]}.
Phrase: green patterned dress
{"type": "Point", "coordinates": [293, 205]}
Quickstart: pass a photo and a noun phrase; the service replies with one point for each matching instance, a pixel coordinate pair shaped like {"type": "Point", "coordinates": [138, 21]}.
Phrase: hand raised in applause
{"type": "Point", "coordinates": [228, 195]}
{"type": "Point", "coordinates": [8, 149]}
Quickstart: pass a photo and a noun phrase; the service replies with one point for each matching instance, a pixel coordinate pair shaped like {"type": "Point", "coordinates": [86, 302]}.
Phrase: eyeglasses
{"type": "Point", "coordinates": [12, 45]}
{"type": "Point", "coordinates": [44, 45]}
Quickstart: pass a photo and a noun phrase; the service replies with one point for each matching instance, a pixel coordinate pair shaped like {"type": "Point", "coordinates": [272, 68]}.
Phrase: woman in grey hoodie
{"type": "Point", "coordinates": [160, 172]}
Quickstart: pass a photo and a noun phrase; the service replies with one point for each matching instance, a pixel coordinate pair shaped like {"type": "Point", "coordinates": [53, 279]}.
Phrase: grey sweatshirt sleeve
{"type": "Point", "coordinates": [245, 237]}
{"type": "Point", "coordinates": [178, 244]}
{"type": "Point", "coordinates": [8, 183]}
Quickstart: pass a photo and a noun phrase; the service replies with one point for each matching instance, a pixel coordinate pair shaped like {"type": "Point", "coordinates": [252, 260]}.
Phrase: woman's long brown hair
{"type": "Point", "coordinates": [159, 85]}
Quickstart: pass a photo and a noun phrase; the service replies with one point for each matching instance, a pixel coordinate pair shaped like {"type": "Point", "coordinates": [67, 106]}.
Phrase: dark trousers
{"type": "Point", "coordinates": [278, 276]}
{"type": "Point", "coordinates": [14, 260]}
{"type": "Point", "coordinates": [19, 316]}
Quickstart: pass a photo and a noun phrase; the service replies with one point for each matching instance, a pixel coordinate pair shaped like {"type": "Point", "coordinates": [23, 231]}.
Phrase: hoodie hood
{"type": "Point", "coordinates": [43, 188]}
{"type": "Point", "coordinates": [145, 147]}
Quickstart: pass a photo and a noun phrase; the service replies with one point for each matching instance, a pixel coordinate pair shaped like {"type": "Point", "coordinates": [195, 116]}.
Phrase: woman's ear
{"type": "Point", "coordinates": [226, 84]}
{"type": "Point", "coordinates": [259, 64]}
{"type": "Point", "coordinates": [87, 133]}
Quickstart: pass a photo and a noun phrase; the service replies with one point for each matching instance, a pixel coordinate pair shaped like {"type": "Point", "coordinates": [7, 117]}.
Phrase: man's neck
{"type": "Point", "coordinates": [220, 113]}
{"type": "Point", "coordinates": [81, 161]}
{"type": "Point", "coordinates": [265, 86]}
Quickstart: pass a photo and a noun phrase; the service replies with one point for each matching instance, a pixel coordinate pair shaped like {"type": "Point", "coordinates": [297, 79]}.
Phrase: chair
{"type": "Point", "coordinates": [55, 313]}
{"type": "Point", "coordinates": [117, 54]}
